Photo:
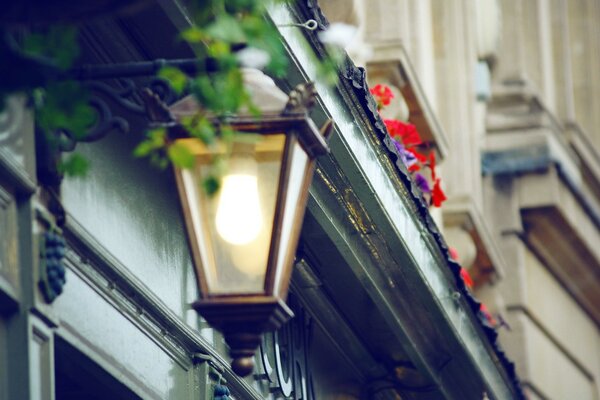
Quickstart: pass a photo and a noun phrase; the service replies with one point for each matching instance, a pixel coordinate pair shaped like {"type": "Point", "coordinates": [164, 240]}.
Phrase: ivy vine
{"type": "Point", "coordinates": [232, 33]}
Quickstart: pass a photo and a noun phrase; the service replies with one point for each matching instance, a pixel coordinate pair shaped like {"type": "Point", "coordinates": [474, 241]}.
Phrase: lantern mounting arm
{"type": "Point", "coordinates": [124, 92]}
{"type": "Point", "coordinates": [190, 66]}
{"type": "Point", "coordinates": [127, 93]}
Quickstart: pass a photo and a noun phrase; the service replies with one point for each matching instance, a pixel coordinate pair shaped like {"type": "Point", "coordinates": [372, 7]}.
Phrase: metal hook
{"type": "Point", "coordinates": [454, 295]}
{"type": "Point", "coordinates": [310, 25]}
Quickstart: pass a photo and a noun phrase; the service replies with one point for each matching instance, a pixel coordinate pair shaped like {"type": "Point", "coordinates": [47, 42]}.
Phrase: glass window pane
{"type": "Point", "coordinates": [234, 236]}
{"type": "Point", "coordinates": [289, 230]}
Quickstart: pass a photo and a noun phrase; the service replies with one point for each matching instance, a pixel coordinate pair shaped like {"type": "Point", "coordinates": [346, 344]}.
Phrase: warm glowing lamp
{"type": "Point", "coordinates": [244, 238]}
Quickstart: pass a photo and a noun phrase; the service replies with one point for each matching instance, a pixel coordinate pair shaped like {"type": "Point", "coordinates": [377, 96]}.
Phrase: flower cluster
{"type": "Point", "coordinates": [407, 140]}
{"type": "Point", "coordinates": [408, 143]}
{"type": "Point", "coordinates": [383, 95]}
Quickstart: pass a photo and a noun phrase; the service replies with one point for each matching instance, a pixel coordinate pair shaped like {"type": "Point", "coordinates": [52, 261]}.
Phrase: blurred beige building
{"type": "Point", "coordinates": [508, 93]}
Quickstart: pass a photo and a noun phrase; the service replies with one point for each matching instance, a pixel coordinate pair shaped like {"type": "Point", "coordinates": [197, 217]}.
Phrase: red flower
{"type": "Point", "coordinates": [453, 253]}
{"type": "Point", "coordinates": [464, 274]}
{"type": "Point", "coordinates": [486, 313]}
{"type": "Point", "coordinates": [406, 133]}
{"type": "Point", "coordinates": [437, 194]}
{"type": "Point", "coordinates": [383, 95]}
{"type": "Point", "coordinates": [432, 165]}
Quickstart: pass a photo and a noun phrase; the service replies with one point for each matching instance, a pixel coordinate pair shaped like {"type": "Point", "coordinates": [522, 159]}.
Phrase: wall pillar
{"type": "Point", "coordinates": [455, 60]}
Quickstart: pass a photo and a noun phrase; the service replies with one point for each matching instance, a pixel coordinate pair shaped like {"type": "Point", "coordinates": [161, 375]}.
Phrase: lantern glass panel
{"type": "Point", "coordinates": [233, 229]}
{"type": "Point", "coordinates": [293, 210]}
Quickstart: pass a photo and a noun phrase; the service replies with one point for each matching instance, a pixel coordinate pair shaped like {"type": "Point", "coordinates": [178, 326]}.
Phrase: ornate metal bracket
{"type": "Point", "coordinates": [301, 99]}
{"type": "Point", "coordinates": [125, 92]}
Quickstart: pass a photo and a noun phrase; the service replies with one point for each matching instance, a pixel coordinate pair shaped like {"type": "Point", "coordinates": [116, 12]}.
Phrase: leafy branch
{"type": "Point", "coordinates": [233, 34]}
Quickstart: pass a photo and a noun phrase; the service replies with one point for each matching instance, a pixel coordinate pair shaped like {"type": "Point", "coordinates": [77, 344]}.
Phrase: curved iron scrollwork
{"type": "Point", "coordinates": [126, 93]}
{"type": "Point", "coordinates": [128, 96]}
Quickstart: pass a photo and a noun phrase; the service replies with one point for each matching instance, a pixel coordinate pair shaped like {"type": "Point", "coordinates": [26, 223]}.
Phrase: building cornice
{"type": "Point", "coordinates": [378, 176]}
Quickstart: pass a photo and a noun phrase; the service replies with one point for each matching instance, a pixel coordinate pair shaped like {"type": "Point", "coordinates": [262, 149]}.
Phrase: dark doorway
{"type": "Point", "coordinates": [77, 377]}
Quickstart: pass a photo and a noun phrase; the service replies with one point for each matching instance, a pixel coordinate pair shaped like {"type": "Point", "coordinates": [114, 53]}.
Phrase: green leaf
{"type": "Point", "coordinates": [176, 78]}
{"type": "Point", "coordinates": [211, 185]}
{"type": "Point", "coordinates": [226, 28]}
{"type": "Point", "coordinates": [328, 72]}
{"type": "Point", "coordinates": [227, 134]}
{"type": "Point", "coordinates": [269, 41]}
{"type": "Point", "coordinates": [222, 92]}
{"type": "Point", "coordinates": [219, 50]}
{"type": "Point", "coordinates": [58, 43]}
{"type": "Point", "coordinates": [159, 160]}
{"type": "Point", "coordinates": [193, 35]}
{"type": "Point", "coordinates": [253, 109]}
{"type": "Point", "coordinates": [253, 25]}
{"type": "Point", "coordinates": [75, 165]}
{"type": "Point", "coordinates": [180, 155]}
{"type": "Point", "coordinates": [155, 139]}
{"type": "Point", "coordinates": [250, 138]}
{"type": "Point", "coordinates": [201, 128]}
{"type": "Point", "coordinates": [219, 166]}
{"type": "Point", "coordinates": [143, 149]}
{"type": "Point", "coordinates": [64, 106]}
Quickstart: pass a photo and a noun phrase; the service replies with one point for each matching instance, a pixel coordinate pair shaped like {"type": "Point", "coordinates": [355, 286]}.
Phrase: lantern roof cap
{"type": "Point", "coordinates": [263, 91]}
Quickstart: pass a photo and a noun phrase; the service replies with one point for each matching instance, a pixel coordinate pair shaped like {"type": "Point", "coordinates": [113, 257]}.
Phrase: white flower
{"type": "Point", "coordinates": [252, 57]}
{"type": "Point", "coordinates": [338, 34]}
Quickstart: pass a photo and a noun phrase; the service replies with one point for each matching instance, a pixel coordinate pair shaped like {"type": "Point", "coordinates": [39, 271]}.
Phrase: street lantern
{"type": "Point", "coordinates": [244, 237]}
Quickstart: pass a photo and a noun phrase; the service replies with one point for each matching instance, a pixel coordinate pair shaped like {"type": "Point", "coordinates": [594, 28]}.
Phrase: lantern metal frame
{"type": "Point", "coordinates": [244, 317]}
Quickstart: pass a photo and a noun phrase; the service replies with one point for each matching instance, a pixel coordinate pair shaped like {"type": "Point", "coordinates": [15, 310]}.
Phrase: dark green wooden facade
{"type": "Point", "coordinates": [380, 313]}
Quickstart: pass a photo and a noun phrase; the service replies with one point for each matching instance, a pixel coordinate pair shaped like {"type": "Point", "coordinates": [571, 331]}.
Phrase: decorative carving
{"type": "Point", "coordinates": [221, 393]}
{"type": "Point", "coordinates": [106, 122]}
{"type": "Point", "coordinates": [130, 97]}
{"type": "Point", "coordinates": [155, 108]}
{"type": "Point", "coordinates": [52, 269]}
{"type": "Point", "coordinates": [301, 99]}
{"type": "Point", "coordinates": [127, 95]}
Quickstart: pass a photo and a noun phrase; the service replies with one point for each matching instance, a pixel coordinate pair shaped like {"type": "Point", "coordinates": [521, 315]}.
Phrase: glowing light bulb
{"type": "Point", "coordinates": [239, 218]}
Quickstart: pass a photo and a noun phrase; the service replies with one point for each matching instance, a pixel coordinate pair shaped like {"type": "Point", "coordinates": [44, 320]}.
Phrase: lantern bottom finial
{"type": "Point", "coordinates": [242, 346]}
{"type": "Point", "coordinates": [243, 320]}
{"type": "Point", "coordinates": [243, 366]}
